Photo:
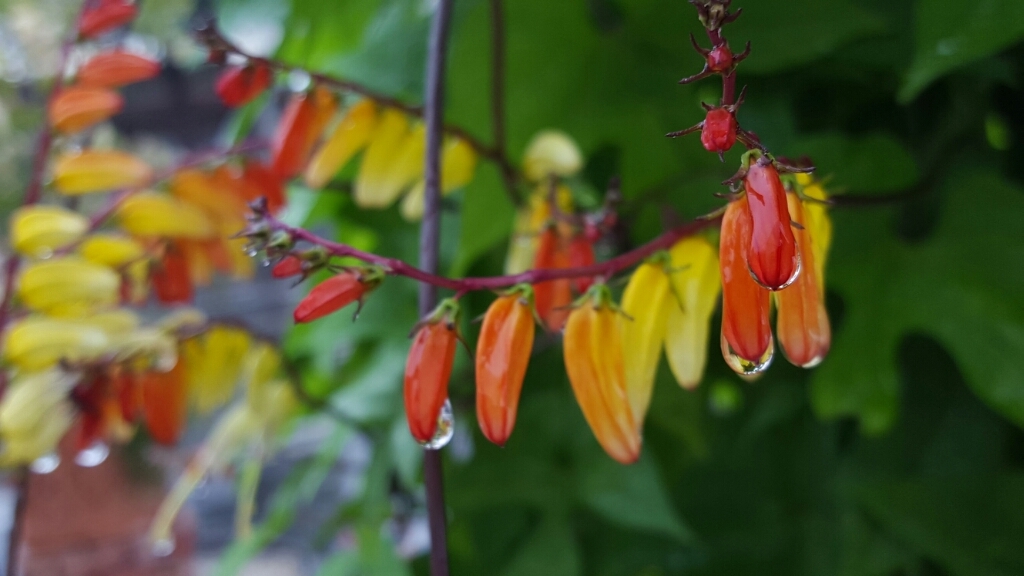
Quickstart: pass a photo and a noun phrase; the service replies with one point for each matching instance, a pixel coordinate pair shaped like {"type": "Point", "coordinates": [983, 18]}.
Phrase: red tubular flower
{"type": "Point", "coordinates": [164, 402]}
{"type": "Point", "coordinates": [772, 255]}
{"type": "Point", "coordinates": [239, 85]}
{"type": "Point", "coordinates": [78, 108]}
{"type": "Point", "coordinates": [428, 369]}
{"type": "Point", "coordinates": [802, 322]}
{"type": "Point", "coordinates": [502, 354]}
{"type": "Point", "coordinates": [581, 253]}
{"type": "Point", "coordinates": [552, 297]}
{"type": "Point", "coordinates": [746, 333]}
{"type": "Point", "coordinates": [170, 277]}
{"type": "Point", "coordinates": [105, 15]}
{"type": "Point", "coordinates": [304, 119]}
{"type": "Point", "coordinates": [287, 267]}
{"type": "Point", "coordinates": [128, 392]}
{"type": "Point", "coordinates": [89, 396]}
{"type": "Point", "coordinates": [719, 132]}
{"type": "Point", "coordinates": [115, 69]}
{"type": "Point", "coordinates": [337, 292]}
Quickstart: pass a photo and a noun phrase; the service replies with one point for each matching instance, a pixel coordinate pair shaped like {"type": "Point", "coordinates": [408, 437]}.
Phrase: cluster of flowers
{"type": "Point", "coordinates": [313, 140]}
{"type": "Point", "coordinates": [612, 351]}
{"type": "Point", "coordinates": [78, 358]}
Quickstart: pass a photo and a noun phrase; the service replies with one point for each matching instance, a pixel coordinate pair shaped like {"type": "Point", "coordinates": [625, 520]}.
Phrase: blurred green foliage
{"type": "Point", "coordinates": [902, 454]}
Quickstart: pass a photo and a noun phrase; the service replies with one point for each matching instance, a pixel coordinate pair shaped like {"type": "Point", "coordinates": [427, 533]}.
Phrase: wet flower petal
{"type": "Point", "coordinates": [746, 334]}
{"type": "Point", "coordinates": [502, 354]}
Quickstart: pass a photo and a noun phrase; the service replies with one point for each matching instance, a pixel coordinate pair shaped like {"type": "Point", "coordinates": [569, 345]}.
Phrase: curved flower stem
{"type": "Point", "coordinates": [605, 269]}
{"type": "Point", "coordinates": [212, 37]}
{"type": "Point", "coordinates": [430, 240]}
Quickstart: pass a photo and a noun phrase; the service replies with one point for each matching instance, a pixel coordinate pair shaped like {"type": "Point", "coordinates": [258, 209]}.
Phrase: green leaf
{"type": "Point", "coordinates": [551, 549]}
{"type": "Point", "coordinates": [971, 526]}
{"type": "Point", "coordinates": [345, 563]}
{"type": "Point", "coordinates": [486, 219]}
{"type": "Point", "coordinates": [631, 495]}
{"type": "Point", "coordinates": [950, 34]}
{"type": "Point", "coordinates": [798, 31]}
{"type": "Point", "coordinates": [959, 286]}
{"type": "Point", "coordinates": [868, 164]}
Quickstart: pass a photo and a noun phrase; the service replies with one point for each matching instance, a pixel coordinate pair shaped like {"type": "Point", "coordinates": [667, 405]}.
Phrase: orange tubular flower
{"type": "Point", "coordinates": [802, 322]}
{"type": "Point", "coordinates": [553, 297]}
{"type": "Point", "coordinates": [266, 184]}
{"type": "Point", "coordinates": [305, 117]}
{"type": "Point", "coordinates": [78, 108]}
{"type": "Point", "coordinates": [502, 354]}
{"type": "Point", "coordinates": [594, 362]}
{"type": "Point", "coordinates": [165, 402]}
{"type": "Point", "coordinates": [171, 279]}
{"type": "Point", "coordinates": [772, 256]}
{"type": "Point", "coordinates": [239, 85]}
{"type": "Point", "coordinates": [115, 69]}
{"type": "Point", "coordinates": [337, 292]}
{"type": "Point", "coordinates": [428, 369]}
{"type": "Point", "coordinates": [746, 333]}
{"type": "Point", "coordinates": [105, 15]}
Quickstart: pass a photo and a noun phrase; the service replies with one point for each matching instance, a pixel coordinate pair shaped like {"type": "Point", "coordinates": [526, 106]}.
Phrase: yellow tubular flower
{"type": "Point", "coordinates": [695, 284]}
{"type": "Point", "coordinates": [37, 342]}
{"type": "Point", "coordinates": [594, 362]}
{"type": "Point", "coordinates": [153, 214]}
{"type": "Point", "coordinates": [183, 319]}
{"type": "Point", "coordinates": [111, 249]}
{"type": "Point", "coordinates": [458, 164]}
{"type": "Point", "coordinates": [819, 224]}
{"type": "Point", "coordinates": [551, 153]}
{"type": "Point", "coordinates": [116, 323]}
{"type": "Point", "coordinates": [350, 136]}
{"type": "Point", "coordinates": [38, 230]}
{"type": "Point", "coordinates": [34, 415]}
{"type": "Point", "coordinates": [99, 171]}
{"type": "Point", "coordinates": [529, 221]}
{"type": "Point", "coordinates": [376, 185]}
{"type": "Point", "coordinates": [643, 333]}
{"type": "Point", "coordinates": [197, 188]}
{"type": "Point", "coordinates": [147, 348]}
{"type": "Point", "coordinates": [215, 363]}
{"type": "Point", "coordinates": [68, 285]}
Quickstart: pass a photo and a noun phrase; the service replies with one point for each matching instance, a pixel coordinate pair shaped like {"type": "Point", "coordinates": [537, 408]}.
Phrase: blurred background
{"type": "Point", "coordinates": [901, 455]}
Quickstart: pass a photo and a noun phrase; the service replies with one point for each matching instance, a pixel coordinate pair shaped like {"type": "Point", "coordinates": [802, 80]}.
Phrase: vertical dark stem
{"type": "Point", "coordinates": [430, 236]}
{"type": "Point", "coordinates": [23, 477]}
{"type": "Point", "coordinates": [498, 99]}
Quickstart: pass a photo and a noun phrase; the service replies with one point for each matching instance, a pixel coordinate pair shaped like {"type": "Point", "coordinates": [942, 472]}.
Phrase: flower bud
{"type": "Point", "coordinates": [594, 362]}
{"type": "Point", "coordinates": [336, 293]}
{"type": "Point", "coordinates": [349, 137]}
{"type": "Point", "coordinates": [77, 108]}
{"type": "Point", "coordinates": [40, 230]}
{"type": "Point", "coordinates": [458, 163]}
{"type": "Point", "coordinates": [214, 361]}
{"type": "Point", "coordinates": [502, 354]}
{"type": "Point", "coordinates": [238, 85]}
{"type": "Point", "coordinates": [35, 413]}
{"type": "Point", "coordinates": [164, 402]}
{"type": "Point", "coordinates": [802, 322]}
{"type": "Point", "coordinates": [551, 153]}
{"type": "Point", "coordinates": [99, 171]}
{"type": "Point", "coordinates": [111, 249]}
{"type": "Point", "coordinates": [38, 342]}
{"type": "Point", "coordinates": [150, 214]}
{"type": "Point", "coordinates": [104, 15]}
{"type": "Point", "coordinates": [68, 285]}
{"type": "Point", "coordinates": [428, 369]}
{"type": "Point", "coordinates": [772, 257]}
{"type": "Point", "coordinates": [115, 69]}
{"type": "Point", "coordinates": [643, 333]}
{"type": "Point", "coordinates": [746, 334]}
{"type": "Point", "coordinates": [719, 132]}
{"type": "Point", "coordinates": [695, 287]}
{"type": "Point", "coordinates": [393, 161]}
{"type": "Point", "coordinates": [301, 124]}
{"type": "Point", "coordinates": [552, 297]}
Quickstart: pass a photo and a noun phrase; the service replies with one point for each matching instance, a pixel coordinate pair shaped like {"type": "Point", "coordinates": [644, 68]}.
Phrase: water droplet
{"type": "Point", "coordinates": [796, 274]}
{"type": "Point", "coordinates": [45, 464]}
{"type": "Point", "coordinates": [744, 366]}
{"type": "Point", "coordinates": [250, 250]}
{"type": "Point", "coordinates": [265, 263]}
{"type": "Point", "coordinates": [299, 80]}
{"type": "Point", "coordinates": [44, 254]}
{"type": "Point", "coordinates": [163, 547]}
{"type": "Point", "coordinates": [445, 428]}
{"type": "Point", "coordinates": [94, 455]}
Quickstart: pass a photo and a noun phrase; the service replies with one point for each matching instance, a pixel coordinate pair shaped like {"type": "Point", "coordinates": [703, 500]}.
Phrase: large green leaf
{"type": "Point", "coordinates": [950, 34]}
{"type": "Point", "coordinates": [960, 286]}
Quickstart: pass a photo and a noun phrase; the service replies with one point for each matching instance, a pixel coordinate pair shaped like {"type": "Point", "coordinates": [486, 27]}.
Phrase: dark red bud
{"type": "Point", "coordinates": [720, 58]}
{"type": "Point", "coordinates": [719, 132]}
